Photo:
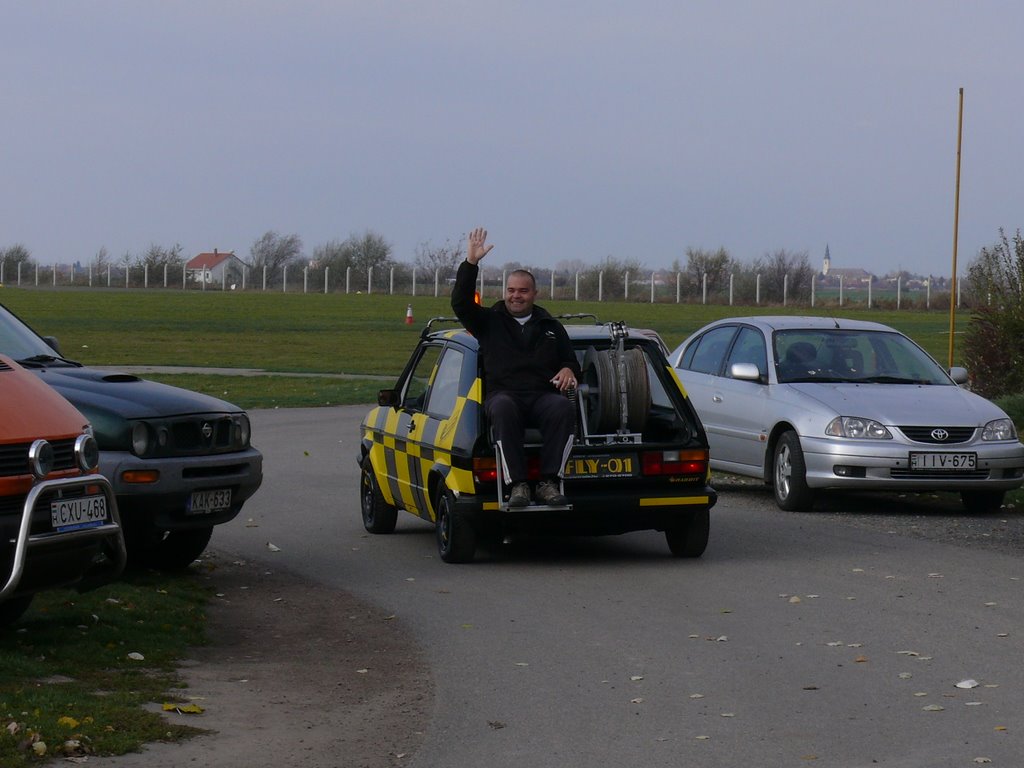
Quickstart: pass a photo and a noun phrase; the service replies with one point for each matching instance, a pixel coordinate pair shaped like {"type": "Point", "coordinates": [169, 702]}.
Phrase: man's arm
{"type": "Point", "coordinates": [464, 303]}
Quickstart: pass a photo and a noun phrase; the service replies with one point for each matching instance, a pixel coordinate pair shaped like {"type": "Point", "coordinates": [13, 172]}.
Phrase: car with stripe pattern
{"type": "Point", "coordinates": [639, 460]}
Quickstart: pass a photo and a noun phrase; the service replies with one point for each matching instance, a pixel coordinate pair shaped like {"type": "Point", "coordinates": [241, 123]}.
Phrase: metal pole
{"type": "Point", "coordinates": [956, 224]}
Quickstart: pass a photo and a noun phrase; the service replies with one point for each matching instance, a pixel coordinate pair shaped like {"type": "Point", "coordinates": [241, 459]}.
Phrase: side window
{"type": "Point", "coordinates": [445, 390]}
{"type": "Point", "coordinates": [419, 379]}
{"type": "Point", "coordinates": [710, 350]}
{"type": "Point", "coordinates": [749, 348]}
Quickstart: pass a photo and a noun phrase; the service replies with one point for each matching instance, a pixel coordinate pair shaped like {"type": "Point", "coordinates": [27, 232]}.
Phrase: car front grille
{"type": "Point", "coordinates": [927, 435]}
{"type": "Point", "coordinates": [14, 457]}
{"type": "Point", "coordinates": [917, 474]}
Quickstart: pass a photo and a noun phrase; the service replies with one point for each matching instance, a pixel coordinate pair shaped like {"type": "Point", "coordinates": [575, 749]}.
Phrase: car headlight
{"type": "Point", "coordinates": [40, 458]}
{"type": "Point", "coordinates": [87, 453]}
{"type": "Point", "coordinates": [243, 432]}
{"type": "Point", "coordinates": [140, 438]}
{"type": "Point", "coordinates": [999, 429]}
{"type": "Point", "coordinates": [856, 428]}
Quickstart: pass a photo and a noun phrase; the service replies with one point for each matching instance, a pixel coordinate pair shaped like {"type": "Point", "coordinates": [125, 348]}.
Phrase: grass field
{"type": "Point", "coordinates": [334, 333]}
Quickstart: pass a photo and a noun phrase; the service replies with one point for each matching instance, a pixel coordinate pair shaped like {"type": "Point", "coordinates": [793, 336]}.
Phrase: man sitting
{"type": "Point", "coordinates": [529, 364]}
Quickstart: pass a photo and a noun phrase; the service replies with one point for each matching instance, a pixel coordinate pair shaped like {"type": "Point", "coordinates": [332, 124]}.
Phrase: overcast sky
{"type": "Point", "coordinates": [570, 130]}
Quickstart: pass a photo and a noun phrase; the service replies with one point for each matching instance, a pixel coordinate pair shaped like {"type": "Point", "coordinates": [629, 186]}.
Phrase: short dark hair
{"type": "Point", "coordinates": [526, 272]}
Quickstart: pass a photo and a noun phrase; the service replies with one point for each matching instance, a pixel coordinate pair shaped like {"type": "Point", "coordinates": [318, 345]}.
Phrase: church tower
{"type": "Point", "coordinates": [827, 264]}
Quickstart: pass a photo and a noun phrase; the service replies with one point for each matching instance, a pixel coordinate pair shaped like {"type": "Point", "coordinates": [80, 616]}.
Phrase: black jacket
{"type": "Point", "coordinates": [521, 358]}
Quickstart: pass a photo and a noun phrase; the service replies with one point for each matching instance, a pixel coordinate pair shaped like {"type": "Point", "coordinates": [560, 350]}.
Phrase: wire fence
{"type": "Point", "coordinates": [591, 285]}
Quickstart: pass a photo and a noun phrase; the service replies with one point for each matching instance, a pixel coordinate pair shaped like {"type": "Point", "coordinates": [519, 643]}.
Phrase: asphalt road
{"type": "Point", "coordinates": [831, 638]}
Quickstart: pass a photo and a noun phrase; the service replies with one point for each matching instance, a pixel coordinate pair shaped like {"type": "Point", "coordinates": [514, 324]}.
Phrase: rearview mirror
{"type": "Point", "coordinates": [959, 375]}
{"type": "Point", "coordinates": [387, 398]}
{"type": "Point", "coordinates": [745, 372]}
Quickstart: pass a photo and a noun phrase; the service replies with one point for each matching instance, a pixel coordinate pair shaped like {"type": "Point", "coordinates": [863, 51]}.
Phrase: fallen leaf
{"type": "Point", "coordinates": [136, 656]}
{"type": "Point", "coordinates": [67, 722]}
{"type": "Point", "coordinates": [861, 659]}
{"type": "Point", "coordinates": [795, 599]}
{"type": "Point", "coordinates": [273, 547]}
{"type": "Point", "coordinates": [702, 738]}
{"type": "Point", "coordinates": [934, 708]}
{"type": "Point", "coordinates": [905, 675]}
{"type": "Point", "coordinates": [634, 678]}
{"type": "Point", "coordinates": [696, 695]}
{"type": "Point", "coordinates": [496, 724]}
{"type": "Point", "coordinates": [638, 700]}
{"type": "Point", "coordinates": [967, 684]}
{"type": "Point", "coordinates": [728, 714]}
{"type": "Point", "coordinates": [184, 709]}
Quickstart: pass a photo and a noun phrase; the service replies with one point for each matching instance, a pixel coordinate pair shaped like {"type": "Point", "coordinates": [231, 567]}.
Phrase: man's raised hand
{"type": "Point", "coordinates": [477, 247]}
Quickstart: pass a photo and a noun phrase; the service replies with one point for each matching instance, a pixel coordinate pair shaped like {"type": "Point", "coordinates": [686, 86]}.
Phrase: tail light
{"type": "Point", "coordinates": [674, 463]}
{"type": "Point", "coordinates": [485, 470]}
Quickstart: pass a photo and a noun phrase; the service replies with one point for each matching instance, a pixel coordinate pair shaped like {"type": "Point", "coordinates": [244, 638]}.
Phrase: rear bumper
{"type": "Point", "coordinates": [593, 514]}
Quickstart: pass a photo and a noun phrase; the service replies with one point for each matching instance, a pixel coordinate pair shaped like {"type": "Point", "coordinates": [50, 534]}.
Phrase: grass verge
{"type": "Point", "coordinates": [71, 680]}
{"type": "Point", "coordinates": [278, 391]}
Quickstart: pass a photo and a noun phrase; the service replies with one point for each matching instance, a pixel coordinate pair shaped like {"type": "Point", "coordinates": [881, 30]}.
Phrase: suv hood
{"type": "Point", "coordinates": [127, 395]}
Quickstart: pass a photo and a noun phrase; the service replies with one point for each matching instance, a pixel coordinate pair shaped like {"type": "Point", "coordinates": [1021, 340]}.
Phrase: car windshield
{"type": "Point", "coordinates": [862, 356]}
{"type": "Point", "coordinates": [19, 341]}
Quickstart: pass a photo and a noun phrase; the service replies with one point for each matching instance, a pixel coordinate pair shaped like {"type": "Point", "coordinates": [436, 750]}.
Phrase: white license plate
{"type": "Point", "coordinates": [950, 462]}
{"type": "Point", "coordinates": [82, 512]}
{"type": "Point", "coordinates": [204, 502]}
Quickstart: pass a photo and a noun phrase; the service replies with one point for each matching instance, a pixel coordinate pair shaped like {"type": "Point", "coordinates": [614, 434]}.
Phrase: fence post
{"type": "Point", "coordinates": [840, 290]}
{"type": "Point", "coordinates": [577, 291]}
{"type": "Point", "coordinates": [37, 275]}
{"type": "Point", "coordinates": [327, 278]}
{"type": "Point", "coordinates": [284, 279]}
{"type": "Point", "coordinates": [264, 277]}
{"type": "Point", "coordinates": [437, 283]}
{"type": "Point", "coordinates": [305, 279]}
{"type": "Point", "coordinates": [348, 279]}
{"type": "Point", "coordinates": [732, 277]}
{"type": "Point", "coordinates": [600, 285]}
{"type": "Point", "coordinates": [224, 278]}
{"type": "Point", "coordinates": [704, 288]}
{"type": "Point", "coordinates": [369, 280]}
{"type": "Point", "coordinates": [785, 288]}
{"type": "Point", "coordinates": [757, 289]}
{"type": "Point", "coordinates": [899, 290]}
{"type": "Point", "coordinates": [90, 276]}
{"type": "Point", "coordinates": [678, 285]}
{"type": "Point", "coordinates": [870, 281]}
{"type": "Point", "coordinates": [625, 286]}
{"type": "Point", "coordinates": [165, 274]}
{"type": "Point", "coordinates": [814, 282]}
{"type": "Point", "coordinates": [391, 282]}
{"type": "Point", "coordinates": [19, 274]}
{"type": "Point", "coordinates": [245, 271]}
{"type": "Point", "coordinates": [184, 274]}
{"type": "Point", "coordinates": [414, 281]}
{"type": "Point", "coordinates": [652, 287]}
{"type": "Point", "coordinates": [127, 274]}
{"type": "Point", "coordinates": [928, 293]}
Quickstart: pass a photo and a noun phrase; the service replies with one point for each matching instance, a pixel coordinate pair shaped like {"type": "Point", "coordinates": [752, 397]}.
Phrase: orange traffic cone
{"type": "Point", "coordinates": [408, 315]}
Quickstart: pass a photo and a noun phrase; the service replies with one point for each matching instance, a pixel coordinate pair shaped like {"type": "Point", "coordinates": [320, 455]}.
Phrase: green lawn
{"type": "Point", "coordinates": [334, 333]}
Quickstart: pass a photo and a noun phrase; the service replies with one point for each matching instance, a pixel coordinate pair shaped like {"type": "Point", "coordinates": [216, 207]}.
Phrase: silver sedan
{"type": "Point", "coordinates": [809, 403]}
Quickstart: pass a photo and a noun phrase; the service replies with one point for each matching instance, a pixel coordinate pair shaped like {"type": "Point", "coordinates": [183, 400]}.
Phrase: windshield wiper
{"type": "Point", "coordinates": [894, 380]}
{"type": "Point", "coordinates": [41, 359]}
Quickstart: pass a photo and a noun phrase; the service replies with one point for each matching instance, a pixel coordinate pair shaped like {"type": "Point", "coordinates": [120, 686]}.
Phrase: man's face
{"type": "Point", "coordinates": [520, 294]}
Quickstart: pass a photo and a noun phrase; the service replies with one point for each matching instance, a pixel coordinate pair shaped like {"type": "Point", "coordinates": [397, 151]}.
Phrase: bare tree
{"type": "Point", "coordinates": [274, 252]}
{"type": "Point", "coordinates": [442, 259]}
{"type": "Point", "coordinates": [715, 264]}
{"type": "Point", "coordinates": [101, 260]}
{"type": "Point", "coordinates": [785, 274]}
{"type": "Point", "coordinates": [15, 255]}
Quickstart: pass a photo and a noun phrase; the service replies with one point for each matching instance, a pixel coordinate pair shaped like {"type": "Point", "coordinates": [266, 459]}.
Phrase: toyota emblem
{"type": "Point", "coordinates": [939, 435]}
{"type": "Point", "coordinates": [207, 431]}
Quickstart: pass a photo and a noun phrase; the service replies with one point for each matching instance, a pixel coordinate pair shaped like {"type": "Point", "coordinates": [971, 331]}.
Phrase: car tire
{"type": "Point", "coordinates": [13, 609]}
{"type": "Point", "coordinates": [168, 551]}
{"type": "Point", "coordinates": [690, 539]}
{"type": "Point", "coordinates": [789, 475]}
{"type": "Point", "coordinates": [378, 515]}
{"type": "Point", "coordinates": [456, 539]}
{"type": "Point", "coordinates": [982, 502]}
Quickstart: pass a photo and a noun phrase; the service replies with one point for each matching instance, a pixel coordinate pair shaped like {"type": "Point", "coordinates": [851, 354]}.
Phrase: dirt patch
{"type": "Point", "coordinates": [296, 674]}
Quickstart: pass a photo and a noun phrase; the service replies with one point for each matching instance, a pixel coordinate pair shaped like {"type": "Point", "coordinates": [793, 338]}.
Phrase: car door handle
{"type": "Point", "coordinates": [716, 398]}
{"type": "Point", "coordinates": [412, 425]}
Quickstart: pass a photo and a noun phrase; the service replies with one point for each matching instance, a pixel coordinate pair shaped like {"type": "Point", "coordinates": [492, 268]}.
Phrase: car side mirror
{"type": "Point", "coordinates": [51, 342]}
{"type": "Point", "coordinates": [387, 398]}
{"type": "Point", "coordinates": [959, 375]}
{"type": "Point", "coordinates": [745, 372]}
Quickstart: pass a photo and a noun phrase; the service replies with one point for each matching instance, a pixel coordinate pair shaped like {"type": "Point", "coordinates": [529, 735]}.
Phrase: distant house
{"type": "Point", "coordinates": [216, 268]}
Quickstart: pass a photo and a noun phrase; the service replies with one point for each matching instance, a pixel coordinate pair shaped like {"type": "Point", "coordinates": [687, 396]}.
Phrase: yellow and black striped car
{"type": "Point", "coordinates": [639, 460]}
